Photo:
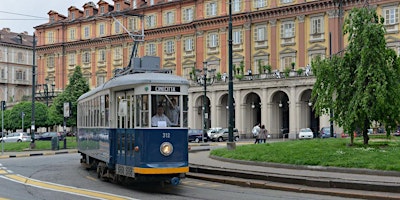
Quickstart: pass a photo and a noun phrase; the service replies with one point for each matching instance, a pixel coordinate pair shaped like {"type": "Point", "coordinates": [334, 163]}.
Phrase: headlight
{"type": "Point", "coordinates": [166, 148]}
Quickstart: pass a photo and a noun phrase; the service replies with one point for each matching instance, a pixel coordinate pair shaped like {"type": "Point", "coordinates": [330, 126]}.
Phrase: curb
{"type": "Point", "coordinates": [44, 153]}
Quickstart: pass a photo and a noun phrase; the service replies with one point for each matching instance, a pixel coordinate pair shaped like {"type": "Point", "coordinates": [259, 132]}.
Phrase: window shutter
{"type": "Point", "coordinates": [208, 9]}
{"type": "Point", "coordinates": [282, 30]}
{"type": "Point", "coordinates": [256, 34]}
{"type": "Point", "coordinates": [396, 15]}
{"type": "Point", "coordinates": [241, 37]}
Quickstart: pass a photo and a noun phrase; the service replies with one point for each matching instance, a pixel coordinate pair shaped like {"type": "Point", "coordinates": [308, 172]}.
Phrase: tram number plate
{"type": "Point", "coordinates": [166, 135]}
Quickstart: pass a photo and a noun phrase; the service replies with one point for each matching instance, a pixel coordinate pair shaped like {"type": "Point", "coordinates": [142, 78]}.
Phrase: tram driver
{"type": "Point", "coordinates": [160, 119]}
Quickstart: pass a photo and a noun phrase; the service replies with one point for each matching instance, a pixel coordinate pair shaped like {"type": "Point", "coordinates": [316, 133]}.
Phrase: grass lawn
{"type": "Point", "coordinates": [380, 154]}
{"type": "Point", "coordinates": [40, 145]}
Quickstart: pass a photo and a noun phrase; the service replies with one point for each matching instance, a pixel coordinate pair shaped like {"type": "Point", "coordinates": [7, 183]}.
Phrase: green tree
{"type": "Point", "coordinates": [76, 87]}
{"type": "Point", "coordinates": [14, 116]}
{"type": "Point", "coordinates": [362, 86]}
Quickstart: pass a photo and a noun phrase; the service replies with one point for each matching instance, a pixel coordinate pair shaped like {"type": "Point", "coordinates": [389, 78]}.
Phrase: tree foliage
{"type": "Point", "coordinates": [361, 86]}
{"type": "Point", "coordinates": [76, 87]}
{"type": "Point", "coordinates": [13, 117]}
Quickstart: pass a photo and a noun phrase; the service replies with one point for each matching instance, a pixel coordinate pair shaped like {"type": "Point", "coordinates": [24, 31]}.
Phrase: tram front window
{"type": "Point", "coordinates": [166, 111]}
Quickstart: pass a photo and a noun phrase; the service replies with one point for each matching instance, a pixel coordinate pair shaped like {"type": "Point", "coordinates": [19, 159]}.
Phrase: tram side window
{"type": "Point", "coordinates": [166, 110]}
{"type": "Point", "coordinates": [185, 111]}
{"type": "Point", "coordinates": [107, 110]}
{"type": "Point", "coordinates": [142, 110]}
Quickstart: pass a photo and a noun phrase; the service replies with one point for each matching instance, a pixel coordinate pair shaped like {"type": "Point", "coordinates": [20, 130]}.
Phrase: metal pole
{"type": "Point", "coordinates": [204, 101]}
{"type": "Point", "coordinates": [330, 110]}
{"type": "Point", "coordinates": [33, 94]}
{"type": "Point", "coordinates": [22, 116]}
{"type": "Point", "coordinates": [230, 83]}
{"type": "Point", "coordinates": [2, 128]}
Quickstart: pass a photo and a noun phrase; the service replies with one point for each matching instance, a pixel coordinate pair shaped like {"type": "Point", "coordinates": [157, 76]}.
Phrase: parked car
{"type": "Point", "coordinates": [223, 134]}
{"type": "Point", "coordinates": [306, 133]}
{"type": "Point", "coordinates": [212, 131]}
{"type": "Point", "coordinates": [50, 135]}
{"type": "Point", "coordinates": [195, 135]}
{"type": "Point", "coordinates": [16, 137]}
{"type": "Point", "coordinates": [325, 132]}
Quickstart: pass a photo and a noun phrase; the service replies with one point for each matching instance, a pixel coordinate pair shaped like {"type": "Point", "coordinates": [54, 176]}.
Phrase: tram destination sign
{"type": "Point", "coordinates": [165, 89]}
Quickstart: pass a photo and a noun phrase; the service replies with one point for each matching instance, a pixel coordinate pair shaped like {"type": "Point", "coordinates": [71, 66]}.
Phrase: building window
{"type": "Point", "coordinates": [134, 5]}
{"type": "Point", "coordinates": [20, 75]}
{"type": "Point", "coordinates": [132, 24]}
{"type": "Point", "coordinates": [287, 29]}
{"type": "Point", "coordinates": [391, 15]}
{"type": "Point", "coordinates": [286, 62]}
{"type": "Point", "coordinates": [237, 37]}
{"type": "Point", "coordinates": [151, 21]}
{"type": "Point", "coordinates": [50, 61]}
{"type": "Point", "coordinates": [102, 10]}
{"type": "Point", "coordinates": [20, 57]}
{"type": "Point", "coordinates": [86, 57]}
{"type": "Point", "coordinates": [317, 25]}
{"type": "Point", "coordinates": [189, 44]}
{"type": "Point", "coordinates": [86, 32]}
{"type": "Point", "coordinates": [117, 53]}
{"type": "Point", "coordinates": [87, 13]}
{"type": "Point", "coordinates": [151, 2]}
{"type": "Point", "coordinates": [102, 29]}
{"type": "Point", "coordinates": [100, 80]}
{"type": "Point", "coordinates": [71, 59]}
{"type": "Point", "coordinates": [52, 19]}
{"type": "Point", "coordinates": [169, 18]}
{"type": "Point", "coordinates": [50, 37]}
{"type": "Point", "coordinates": [260, 3]}
{"type": "Point", "coordinates": [211, 9]}
{"type": "Point", "coordinates": [117, 7]}
{"type": "Point", "coordinates": [212, 40]}
{"type": "Point", "coordinates": [236, 5]}
{"type": "Point", "coordinates": [150, 49]}
{"type": "Point", "coordinates": [286, 1]}
{"type": "Point", "coordinates": [260, 33]}
{"type": "Point", "coordinates": [2, 73]}
{"type": "Point", "coordinates": [102, 55]}
{"type": "Point", "coordinates": [72, 34]}
{"type": "Point", "coordinates": [116, 27]}
{"type": "Point", "coordinates": [169, 47]}
{"type": "Point", "coordinates": [72, 16]}
{"type": "Point", "coordinates": [1, 55]}
{"type": "Point", "coordinates": [188, 14]}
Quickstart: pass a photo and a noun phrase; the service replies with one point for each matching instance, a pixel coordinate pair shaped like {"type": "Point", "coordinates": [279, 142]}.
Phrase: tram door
{"type": "Point", "coordinates": [125, 125]}
{"type": "Point", "coordinates": [125, 109]}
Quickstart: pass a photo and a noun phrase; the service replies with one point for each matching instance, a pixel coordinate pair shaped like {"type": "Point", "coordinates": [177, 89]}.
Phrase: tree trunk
{"type": "Point", "coordinates": [365, 132]}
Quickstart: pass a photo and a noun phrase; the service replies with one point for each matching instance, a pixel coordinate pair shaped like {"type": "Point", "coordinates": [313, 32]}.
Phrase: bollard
{"type": "Point", "coordinates": [65, 142]}
{"type": "Point", "coordinates": [54, 143]}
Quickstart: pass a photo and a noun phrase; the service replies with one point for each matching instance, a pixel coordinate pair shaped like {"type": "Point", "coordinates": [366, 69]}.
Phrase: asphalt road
{"type": "Point", "coordinates": [62, 177]}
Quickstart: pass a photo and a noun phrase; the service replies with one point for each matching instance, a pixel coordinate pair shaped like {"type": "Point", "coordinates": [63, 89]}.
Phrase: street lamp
{"type": "Point", "coordinates": [204, 81]}
{"type": "Point", "coordinates": [47, 92]}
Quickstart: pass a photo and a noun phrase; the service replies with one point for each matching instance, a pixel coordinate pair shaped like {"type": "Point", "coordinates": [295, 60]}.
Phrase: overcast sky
{"type": "Point", "coordinates": [23, 15]}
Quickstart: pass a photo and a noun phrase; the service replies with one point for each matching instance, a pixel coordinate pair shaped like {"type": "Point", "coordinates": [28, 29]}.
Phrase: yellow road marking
{"type": "Point", "coordinates": [3, 172]}
{"type": "Point", "coordinates": [4, 199]}
{"type": "Point", "coordinates": [91, 178]}
{"type": "Point", "coordinates": [66, 189]}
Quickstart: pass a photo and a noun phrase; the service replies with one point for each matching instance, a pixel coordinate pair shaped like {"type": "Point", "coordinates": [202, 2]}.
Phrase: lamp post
{"type": "Point", "coordinates": [46, 92]}
{"type": "Point", "coordinates": [204, 81]}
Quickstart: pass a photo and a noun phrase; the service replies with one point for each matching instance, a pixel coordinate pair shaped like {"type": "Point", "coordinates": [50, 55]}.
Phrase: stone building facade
{"type": "Point", "coordinates": [283, 34]}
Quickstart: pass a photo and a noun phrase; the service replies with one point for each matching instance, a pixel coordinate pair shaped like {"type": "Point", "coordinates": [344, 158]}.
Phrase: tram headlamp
{"type": "Point", "coordinates": [166, 148]}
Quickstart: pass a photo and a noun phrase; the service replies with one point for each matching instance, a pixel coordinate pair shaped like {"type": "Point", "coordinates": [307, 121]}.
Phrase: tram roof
{"type": "Point", "coordinates": [138, 78]}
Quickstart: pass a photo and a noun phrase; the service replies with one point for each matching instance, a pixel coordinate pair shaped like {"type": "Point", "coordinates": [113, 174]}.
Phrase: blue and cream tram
{"type": "Point", "coordinates": [116, 134]}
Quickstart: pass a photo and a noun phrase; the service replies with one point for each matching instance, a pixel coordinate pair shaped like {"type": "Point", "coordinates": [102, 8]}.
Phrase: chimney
{"type": "Point", "coordinates": [6, 30]}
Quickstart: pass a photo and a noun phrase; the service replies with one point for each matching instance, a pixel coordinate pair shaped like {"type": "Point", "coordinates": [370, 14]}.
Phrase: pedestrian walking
{"type": "Point", "coordinates": [256, 132]}
{"type": "Point", "coordinates": [262, 136]}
